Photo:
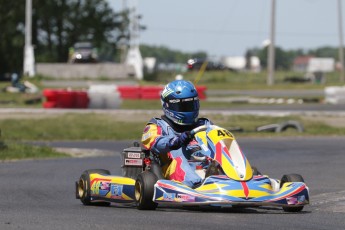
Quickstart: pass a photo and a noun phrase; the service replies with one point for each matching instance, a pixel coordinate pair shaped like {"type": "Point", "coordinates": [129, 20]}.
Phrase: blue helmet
{"type": "Point", "coordinates": [180, 102]}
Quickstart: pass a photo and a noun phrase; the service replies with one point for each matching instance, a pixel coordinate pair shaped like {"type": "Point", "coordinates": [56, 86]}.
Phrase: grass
{"type": "Point", "coordinates": [116, 127]}
{"type": "Point", "coordinates": [12, 150]}
{"type": "Point", "coordinates": [112, 127]}
{"type": "Point", "coordinates": [71, 127]}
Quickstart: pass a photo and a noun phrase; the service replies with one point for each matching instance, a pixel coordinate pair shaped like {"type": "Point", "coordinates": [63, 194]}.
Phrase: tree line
{"type": "Point", "coordinates": [58, 24]}
{"type": "Point", "coordinates": [283, 58]}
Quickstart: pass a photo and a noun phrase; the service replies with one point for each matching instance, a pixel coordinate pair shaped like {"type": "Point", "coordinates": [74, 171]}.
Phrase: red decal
{"type": "Point", "coordinates": [225, 149]}
{"type": "Point", "coordinates": [179, 174]}
{"type": "Point", "coordinates": [245, 189]}
{"type": "Point", "coordinates": [218, 155]}
{"type": "Point", "coordinates": [159, 130]}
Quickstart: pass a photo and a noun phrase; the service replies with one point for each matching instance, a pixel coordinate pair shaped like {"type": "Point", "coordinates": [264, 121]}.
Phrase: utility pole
{"type": "Point", "coordinates": [122, 42]}
{"type": "Point", "coordinates": [341, 43]}
{"type": "Point", "coordinates": [271, 47]}
{"type": "Point", "coordinates": [134, 57]}
{"type": "Point", "coordinates": [29, 58]}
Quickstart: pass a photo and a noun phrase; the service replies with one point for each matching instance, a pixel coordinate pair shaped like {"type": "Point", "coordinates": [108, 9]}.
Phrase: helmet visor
{"type": "Point", "coordinates": [184, 105]}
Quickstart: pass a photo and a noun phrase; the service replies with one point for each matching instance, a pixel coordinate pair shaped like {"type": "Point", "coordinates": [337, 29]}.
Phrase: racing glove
{"type": "Point", "coordinates": [182, 140]}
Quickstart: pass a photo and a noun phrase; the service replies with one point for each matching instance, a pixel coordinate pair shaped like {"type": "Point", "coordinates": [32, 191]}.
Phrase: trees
{"type": "Point", "coordinates": [11, 35]}
{"type": "Point", "coordinates": [61, 23]}
{"type": "Point", "coordinates": [57, 25]}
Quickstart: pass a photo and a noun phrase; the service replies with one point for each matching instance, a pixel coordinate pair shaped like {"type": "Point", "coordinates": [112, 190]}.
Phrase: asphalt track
{"type": "Point", "coordinates": [39, 194]}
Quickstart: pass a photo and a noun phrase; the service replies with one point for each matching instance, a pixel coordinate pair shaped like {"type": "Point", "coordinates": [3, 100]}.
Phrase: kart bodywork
{"type": "Point", "coordinates": [237, 184]}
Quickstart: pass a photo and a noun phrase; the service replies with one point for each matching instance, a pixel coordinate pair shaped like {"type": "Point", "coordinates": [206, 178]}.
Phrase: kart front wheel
{"type": "Point", "coordinates": [292, 178]}
{"type": "Point", "coordinates": [83, 187]}
{"type": "Point", "coordinates": [144, 190]}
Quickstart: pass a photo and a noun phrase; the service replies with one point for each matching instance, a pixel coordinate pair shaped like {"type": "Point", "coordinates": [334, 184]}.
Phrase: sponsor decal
{"type": "Point", "coordinates": [187, 99]}
{"type": "Point", "coordinates": [104, 185]}
{"type": "Point", "coordinates": [185, 197]}
{"type": "Point", "coordinates": [100, 188]}
{"type": "Point", "coordinates": [135, 162]}
{"type": "Point", "coordinates": [174, 101]}
{"type": "Point", "coordinates": [301, 199]}
{"type": "Point", "coordinates": [291, 200]}
{"type": "Point", "coordinates": [146, 136]}
{"type": "Point", "coordinates": [116, 191]}
{"type": "Point", "coordinates": [166, 92]}
{"type": "Point", "coordinates": [134, 155]}
{"type": "Point", "coordinates": [147, 128]}
{"type": "Point", "coordinates": [169, 196]}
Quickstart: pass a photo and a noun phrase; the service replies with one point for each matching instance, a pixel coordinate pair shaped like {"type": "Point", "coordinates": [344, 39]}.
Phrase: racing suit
{"type": "Point", "coordinates": [156, 137]}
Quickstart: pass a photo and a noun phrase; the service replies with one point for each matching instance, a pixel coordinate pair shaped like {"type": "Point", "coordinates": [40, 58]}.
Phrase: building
{"type": "Point", "coordinates": [239, 63]}
{"type": "Point", "coordinates": [311, 64]}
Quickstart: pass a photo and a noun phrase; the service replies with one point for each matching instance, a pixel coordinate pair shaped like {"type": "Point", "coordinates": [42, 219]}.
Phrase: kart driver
{"type": "Point", "coordinates": [169, 136]}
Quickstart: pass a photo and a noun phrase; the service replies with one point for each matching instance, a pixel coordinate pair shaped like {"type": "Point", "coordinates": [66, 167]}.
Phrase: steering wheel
{"type": "Point", "coordinates": [198, 129]}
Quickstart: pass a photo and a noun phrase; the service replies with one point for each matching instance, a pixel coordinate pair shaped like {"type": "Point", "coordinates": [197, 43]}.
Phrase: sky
{"type": "Point", "coordinates": [230, 27]}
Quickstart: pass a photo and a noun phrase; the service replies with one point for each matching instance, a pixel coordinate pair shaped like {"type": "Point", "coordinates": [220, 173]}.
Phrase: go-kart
{"type": "Point", "coordinates": [229, 180]}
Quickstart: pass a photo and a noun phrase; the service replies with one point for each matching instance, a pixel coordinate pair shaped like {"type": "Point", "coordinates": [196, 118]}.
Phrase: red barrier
{"type": "Point", "coordinates": [50, 94]}
{"type": "Point", "coordinates": [150, 92]}
{"type": "Point", "coordinates": [129, 92]}
{"type": "Point", "coordinates": [60, 98]}
{"type": "Point", "coordinates": [81, 100]}
{"type": "Point", "coordinates": [201, 92]}
{"type": "Point", "coordinates": [49, 104]}
{"type": "Point", "coordinates": [65, 99]}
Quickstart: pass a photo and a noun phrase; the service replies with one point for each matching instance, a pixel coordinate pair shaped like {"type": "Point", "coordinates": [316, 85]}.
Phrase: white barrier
{"type": "Point", "coordinates": [335, 95]}
{"type": "Point", "coordinates": [104, 97]}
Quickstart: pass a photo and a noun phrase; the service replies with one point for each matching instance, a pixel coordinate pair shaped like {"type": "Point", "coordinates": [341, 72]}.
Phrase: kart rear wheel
{"type": "Point", "coordinates": [83, 187]}
{"type": "Point", "coordinates": [144, 190]}
{"type": "Point", "coordinates": [292, 178]}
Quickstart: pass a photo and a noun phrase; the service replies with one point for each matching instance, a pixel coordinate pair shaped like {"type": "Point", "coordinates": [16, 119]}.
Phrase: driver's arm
{"type": "Point", "coordinates": [153, 139]}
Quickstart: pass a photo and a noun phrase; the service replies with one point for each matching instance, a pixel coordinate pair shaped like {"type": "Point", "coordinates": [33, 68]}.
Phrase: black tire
{"type": "Point", "coordinates": [291, 178]}
{"type": "Point", "coordinates": [83, 187]}
{"type": "Point", "coordinates": [255, 171]}
{"type": "Point", "coordinates": [144, 190]}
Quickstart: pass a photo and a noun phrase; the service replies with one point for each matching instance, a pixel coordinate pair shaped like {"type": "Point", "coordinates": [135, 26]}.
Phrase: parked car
{"type": "Point", "coordinates": [196, 63]}
{"type": "Point", "coordinates": [83, 52]}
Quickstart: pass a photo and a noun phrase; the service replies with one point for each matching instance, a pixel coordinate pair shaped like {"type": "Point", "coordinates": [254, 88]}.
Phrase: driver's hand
{"type": "Point", "coordinates": [182, 140]}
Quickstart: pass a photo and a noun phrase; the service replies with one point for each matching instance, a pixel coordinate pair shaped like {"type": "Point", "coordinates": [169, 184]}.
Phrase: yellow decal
{"type": "Point", "coordinates": [217, 135]}
{"type": "Point", "coordinates": [151, 132]}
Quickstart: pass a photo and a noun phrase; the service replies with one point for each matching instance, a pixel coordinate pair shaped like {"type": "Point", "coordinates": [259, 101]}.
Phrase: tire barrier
{"type": "Point", "coordinates": [104, 96]}
{"type": "Point", "coordinates": [281, 127]}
